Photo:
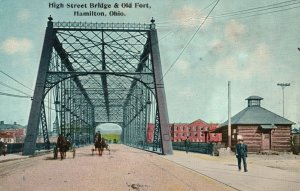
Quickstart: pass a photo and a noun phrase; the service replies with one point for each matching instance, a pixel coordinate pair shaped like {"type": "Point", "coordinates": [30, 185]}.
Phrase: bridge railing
{"type": "Point", "coordinates": [18, 147]}
{"type": "Point", "coordinates": [89, 25]}
{"type": "Point", "coordinates": [198, 147]}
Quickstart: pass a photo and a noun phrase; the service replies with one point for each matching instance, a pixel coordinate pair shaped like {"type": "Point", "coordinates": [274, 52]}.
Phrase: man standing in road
{"type": "Point", "coordinates": [241, 153]}
{"type": "Point", "coordinates": [187, 144]}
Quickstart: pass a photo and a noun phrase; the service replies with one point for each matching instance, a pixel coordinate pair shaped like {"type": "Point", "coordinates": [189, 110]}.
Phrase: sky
{"type": "Point", "coordinates": [253, 44]}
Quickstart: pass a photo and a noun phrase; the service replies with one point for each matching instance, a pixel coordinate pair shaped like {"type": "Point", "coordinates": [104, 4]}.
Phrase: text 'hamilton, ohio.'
{"type": "Point", "coordinates": [99, 14]}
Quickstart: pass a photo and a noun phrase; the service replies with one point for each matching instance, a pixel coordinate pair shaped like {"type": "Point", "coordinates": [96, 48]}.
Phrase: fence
{"type": "Point", "coordinates": [296, 143]}
{"type": "Point", "coordinates": [205, 148]}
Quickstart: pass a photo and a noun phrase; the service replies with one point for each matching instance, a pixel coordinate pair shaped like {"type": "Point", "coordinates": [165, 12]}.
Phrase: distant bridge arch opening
{"type": "Point", "coordinates": [112, 132]}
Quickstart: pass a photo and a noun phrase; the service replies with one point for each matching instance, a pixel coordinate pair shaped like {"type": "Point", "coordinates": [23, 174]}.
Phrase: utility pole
{"type": "Point", "coordinates": [283, 85]}
{"type": "Point", "coordinates": [229, 115]}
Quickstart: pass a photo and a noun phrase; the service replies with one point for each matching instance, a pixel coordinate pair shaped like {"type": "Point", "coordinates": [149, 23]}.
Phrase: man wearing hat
{"type": "Point", "coordinates": [241, 153]}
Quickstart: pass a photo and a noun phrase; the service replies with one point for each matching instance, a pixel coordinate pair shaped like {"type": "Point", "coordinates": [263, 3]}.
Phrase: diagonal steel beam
{"type": "Point", "coordinates": [64, 57]}
{"type": "Point", "coordinates": [104, 78]}
{"type": "Point", "coordinates": [140, 67]}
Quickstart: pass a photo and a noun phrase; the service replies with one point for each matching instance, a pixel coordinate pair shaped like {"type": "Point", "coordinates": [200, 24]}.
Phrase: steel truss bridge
{"type": "Point", "coordinates": [93, 73]}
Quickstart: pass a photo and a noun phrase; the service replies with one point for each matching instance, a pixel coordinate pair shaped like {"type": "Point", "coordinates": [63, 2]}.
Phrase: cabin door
{"type": "Point", "coordinates": [266, 140]}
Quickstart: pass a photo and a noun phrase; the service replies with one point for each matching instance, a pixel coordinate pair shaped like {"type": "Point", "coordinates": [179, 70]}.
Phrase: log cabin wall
{"type": "Point", "coordinates": [281, 138]}
{"type": "Point", "coordinates": [252, 136]}
{"type": "Point", "coordinates": [224, 136]}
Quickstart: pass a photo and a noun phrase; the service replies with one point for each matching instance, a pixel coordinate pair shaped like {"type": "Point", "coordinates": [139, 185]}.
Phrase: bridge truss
{"type": "Point", "coordinates": [96, 73]}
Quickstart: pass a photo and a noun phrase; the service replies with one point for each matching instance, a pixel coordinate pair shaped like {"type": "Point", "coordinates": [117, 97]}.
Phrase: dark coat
{"type": "Point", "coordinates": [241, 150]}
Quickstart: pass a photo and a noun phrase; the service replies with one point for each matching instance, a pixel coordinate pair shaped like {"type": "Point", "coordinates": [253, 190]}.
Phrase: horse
{"type": "Point", "coordinates": [100, 145]}
{"type": "Point", "coordinates": [62, 145]}
{"type": "Point", "coordinates": [105, 145]}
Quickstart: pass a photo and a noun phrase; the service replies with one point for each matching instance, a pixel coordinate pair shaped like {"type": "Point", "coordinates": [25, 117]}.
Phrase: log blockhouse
{"type": "Point", "coordinates": [261, 129]}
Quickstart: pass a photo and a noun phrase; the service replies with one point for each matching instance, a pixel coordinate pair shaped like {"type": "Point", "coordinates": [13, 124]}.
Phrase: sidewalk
{"type": "Point", "coordinates": [17, 156]}
{"type": "Point", "coordinates": [10, 157]}
{"type": "Point", "coordinates": [224, 170]}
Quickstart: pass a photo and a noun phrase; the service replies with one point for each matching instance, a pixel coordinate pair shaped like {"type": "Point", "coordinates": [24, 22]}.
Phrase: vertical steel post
{"type": "Point", "coordinates": [38, 96]}
{"type": "Point", "coordinates": [160, 94]}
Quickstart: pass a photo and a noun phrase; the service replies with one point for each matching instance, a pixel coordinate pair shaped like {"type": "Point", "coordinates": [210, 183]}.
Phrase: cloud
{"type": "Point", "coordinates": [234, 31]}
{"type": "Point", "coordinates": [244, 65]}
{"type": "Point", "coordinates": [183, 66]}
{"type": "Point", "coordinates": [216, 46]}
{"type": "Point", "coordinates": [187, 92]}
{"type": "Point", "coordinates": [23, 15]}
{"type": "Point", "coordinates": [188, 16]}
{"type": "Point", "coordinates": [15, 45]}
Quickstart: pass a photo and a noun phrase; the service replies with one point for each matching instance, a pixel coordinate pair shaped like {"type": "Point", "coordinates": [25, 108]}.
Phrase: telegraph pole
{"type": "Point", "coordinates": [229, 115]}
{"type": "Point", "coordinates": [283, 85]}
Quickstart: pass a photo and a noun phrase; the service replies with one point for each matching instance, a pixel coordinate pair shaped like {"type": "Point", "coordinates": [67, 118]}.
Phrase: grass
{"type": "Point", "coordinates": [112, 137]}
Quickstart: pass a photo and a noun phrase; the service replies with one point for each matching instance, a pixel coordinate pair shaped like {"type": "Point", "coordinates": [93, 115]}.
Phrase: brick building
{"type": "Point", "coordinates": [197, 131]}
{"type": "Point", "coordinates": [12, 133]}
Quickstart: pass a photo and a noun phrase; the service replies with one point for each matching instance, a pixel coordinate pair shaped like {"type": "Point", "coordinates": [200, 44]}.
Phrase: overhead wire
{"type": "Point", "coordinates": [14, 95]}
{"type": "Point", "coordinates": [258, 9]}
{"type": "Point", "coordinates": [15, 80]}
{"type": "Point", "coordinates": [262, 10]}
{"type": "Point", "coordinates": [175, 61]}
{"type": "Point", "coordinates": [3, 84]}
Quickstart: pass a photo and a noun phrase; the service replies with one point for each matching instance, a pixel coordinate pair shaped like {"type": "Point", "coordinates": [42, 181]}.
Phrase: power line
{"type": "Point", "coordinates": [3, 84]}
{"type": "Point", "coordinates": [13, 95]}
{"type": "Point", "coordinates": [258, 9]}
{"type": "Point", "coordinates": [262, 10]}
{"type": "Point", "coordinates": [15, 80]}
{"type": "Point", "coordinates": [275, 11]}
{"type": "Point", "coordinates": [190, 40]}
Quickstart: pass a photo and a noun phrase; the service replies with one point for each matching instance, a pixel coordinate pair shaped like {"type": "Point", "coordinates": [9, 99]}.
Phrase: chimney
{"type": "Point", "coordinates": [1, 122]}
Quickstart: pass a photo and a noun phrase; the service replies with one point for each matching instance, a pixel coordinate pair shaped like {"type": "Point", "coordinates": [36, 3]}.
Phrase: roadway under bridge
{"type": "Point", "coordinates": [94, 73]}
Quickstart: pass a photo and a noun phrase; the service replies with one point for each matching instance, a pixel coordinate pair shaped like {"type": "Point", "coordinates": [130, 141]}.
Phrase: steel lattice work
{"type": "Point", "coordinates": [101, 73]}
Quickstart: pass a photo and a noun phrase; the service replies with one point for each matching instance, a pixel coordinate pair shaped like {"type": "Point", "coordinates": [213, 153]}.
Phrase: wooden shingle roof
{"type": "Point", "coordinates": [257, 115]}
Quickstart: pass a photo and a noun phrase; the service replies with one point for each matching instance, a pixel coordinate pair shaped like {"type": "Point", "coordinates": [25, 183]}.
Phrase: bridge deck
{"type": "Point", "coordinates": [132, 169]}
{"type": "Point", "coordinates": [124, 169]}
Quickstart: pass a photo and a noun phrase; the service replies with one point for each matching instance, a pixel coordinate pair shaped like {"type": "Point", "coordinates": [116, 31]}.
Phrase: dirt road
{"type": "Point", "coordinates": [124, 169]}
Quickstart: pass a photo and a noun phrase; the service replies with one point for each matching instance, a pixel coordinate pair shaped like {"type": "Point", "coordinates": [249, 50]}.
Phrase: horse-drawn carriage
{"type": "Point", "coordinates": [100, 144]}
{"type": "Point", "coordinates": [62, 146]}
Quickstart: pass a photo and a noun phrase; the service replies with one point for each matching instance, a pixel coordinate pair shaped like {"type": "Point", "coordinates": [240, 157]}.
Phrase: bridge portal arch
{"type": "Point", "coordinates": [101, 73]}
